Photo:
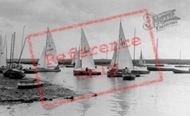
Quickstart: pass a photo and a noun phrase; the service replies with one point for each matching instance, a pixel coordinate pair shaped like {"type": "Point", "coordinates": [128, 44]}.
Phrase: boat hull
{"type": "Point", "coordinates": [1, 69]}
{"type": "Point", "coordinates": [114, 74]}
{"type": "Point", "coordinates": [128, 77]}
{"type": "Point", "coordinates": [119, 73]}
{"type": "Point", "coordinates": [31, 71]}
{"type": "Point", "coordinates": [27, 84]}
{"type": "Point", "coordinates": [140, 71]}
{"type": "Point", "coordinates": [151, 68]}
{"type": "Point", "coordinates": [182, 66]}
{"type": "Point", "coordinates": [14, 74]}
{"type": "Point", "coordinates": [83, 72]}
{"type": "Point", "coordinates": [70, 66]}
{"type": "Point", "coordinates": [180, 71]}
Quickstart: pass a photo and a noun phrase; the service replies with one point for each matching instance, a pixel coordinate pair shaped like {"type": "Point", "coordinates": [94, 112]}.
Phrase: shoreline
{"type": "Point", "coordinates": [10, 95]}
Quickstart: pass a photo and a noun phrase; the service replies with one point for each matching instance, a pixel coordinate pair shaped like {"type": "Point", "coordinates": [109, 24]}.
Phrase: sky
{"type": "Point", "coordinates": [37, 15]}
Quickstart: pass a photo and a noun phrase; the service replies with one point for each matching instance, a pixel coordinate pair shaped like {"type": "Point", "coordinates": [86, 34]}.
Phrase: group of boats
{"type": "Point", "coordinates": [121, 64]}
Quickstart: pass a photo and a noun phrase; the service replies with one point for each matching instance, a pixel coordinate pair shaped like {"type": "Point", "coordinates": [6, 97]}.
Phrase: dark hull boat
{"type": "Point", "coordinates": [84, 72]}
{"type": "Point", "coordinates": [114, 74]}
{"type": "Point", "coordinates": [180, 71]}
{"type": "Point", "coordinates": [128, 77]}
{"type": "Point", "coordinates": [138, 71]}
{"type": "Point", "coordinates": [156, 68]}
{"type": "Point", "coordinates": [14, 73]}
{"type": "Point", "coordinates": [120, 73]}
{"type": "Point", "coordinates": [70, 66]}
{"type": "Point", "coordinates": [2, 69]}
{"type": "Point", "coordinates": [31, 71]}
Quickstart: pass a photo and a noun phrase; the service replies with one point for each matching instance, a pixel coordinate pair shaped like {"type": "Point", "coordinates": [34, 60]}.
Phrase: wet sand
{"type": "Point", "coordinates": [9, 94]}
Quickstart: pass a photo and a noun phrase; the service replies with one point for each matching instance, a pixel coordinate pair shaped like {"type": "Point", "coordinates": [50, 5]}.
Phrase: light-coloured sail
{"type": "Point", "coordinates": [74, 56]}
{"type": "Point", "coordinates": [42, 60]}
{"type": "Point", "coordinates": [48, 56]}
{"type": "Point", "coordinates": [78, 62]}
{"type": "Point", "coordinates": [124, 58]}
{"type": "Point", "coordinates": [141, 60]}
{"type": "Point", "coordinates": [87, 59]}
{"type": "Point", "coordinates": [114, 57]}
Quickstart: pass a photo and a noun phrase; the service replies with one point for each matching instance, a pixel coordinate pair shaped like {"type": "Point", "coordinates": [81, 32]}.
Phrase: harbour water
{"type": "Point", "coordinates": [167, 98]}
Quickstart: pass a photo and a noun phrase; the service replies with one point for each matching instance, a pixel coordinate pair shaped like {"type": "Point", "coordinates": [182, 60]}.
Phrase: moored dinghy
{"type": "Point", "coordinates": [86, 65]}
{"type": "Point", "coordinates": [141, 66]}
{"type": "Point", "coordinates": [43, 64]}
{"type": "Point", "coordinates": [29, 83]}
{"type": "Point", "coordinates": [13, 72]}
{"type": "Point", "coordinates": [121, 58]}
{"type": "Point", "coordinates": [160, 68]}
{"type": "Point", "coordinates": [181, 70]}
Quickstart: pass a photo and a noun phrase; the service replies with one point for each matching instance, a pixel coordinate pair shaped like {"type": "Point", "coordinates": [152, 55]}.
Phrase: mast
{"type": "Point", "coordinates": [106, 55]}
{"type": "Point", "coordinates": [11, 50]}
{"type": "Point", "coordinates": [134, 47]}
{"type": "Point", "coordinates": [13, 45]}
{"type": "Point", "coordinates": [180, 58]}
{"type": "Point", "coordinates": [5, 45]}
{"type": "Point", "coordinates": [46, 46]}
{"type": "Point", "coordinates": [80, 58]}
{"type": "Point", "coordinates": [21, 51]}
{"type": "Point", "coordinates": [157, 45]}
{"type": "Point", "coordinates": [22, 44]}
{"type": "Point", "coordinates": [156, 49]}
{"type": "Point", "coordinates": [22, 36]}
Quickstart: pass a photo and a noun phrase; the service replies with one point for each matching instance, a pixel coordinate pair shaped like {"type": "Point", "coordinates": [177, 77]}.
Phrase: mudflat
{"type": "Point", "coordinates": [10, 94]}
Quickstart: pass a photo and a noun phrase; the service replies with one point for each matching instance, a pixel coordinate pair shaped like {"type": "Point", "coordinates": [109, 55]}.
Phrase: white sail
{"type": "Point", "coordinates": [141, 60]}
{"type": "Point", "coordinates": [74, 56]}
{"type": "Point", "coordinates": [87, 59]}
{"type": "Point", "coordinates": [124, 58]}
{"type": "Point", "coordinates": [48, 56]}
{"type": "Point", "coordinates": [42, 60]}
{"type": "Point", "coordinates": [77, 63]}
{"type": "Point", "coordinates": [114, 57]}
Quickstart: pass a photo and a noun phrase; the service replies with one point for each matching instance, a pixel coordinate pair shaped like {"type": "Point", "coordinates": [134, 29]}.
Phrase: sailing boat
{"type": "Point", "coordinates": [73, 60]}
{"type": "Point", "coordinates": [181, 63]}
{"type": "Point", "coordinates": [142, 62]}
{"type": "Point", "coordinates": [140, 69]}
{"type": "Point", "coordinates": [181, 68]}
{"type": "Point", "coordinates": [12, 71]}
{"type": "Point", "coordinates": [86, 65]}
{"type": "Point", "coordinates": [43, 65]}
{"type": "Point", "coordinates": [121, 59]}
{"type": "Point", "coordinates": [159, 67]}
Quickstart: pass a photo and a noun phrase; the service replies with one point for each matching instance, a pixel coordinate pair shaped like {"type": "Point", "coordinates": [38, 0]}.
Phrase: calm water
{"type": "Point", "coordinates": [168, 98]}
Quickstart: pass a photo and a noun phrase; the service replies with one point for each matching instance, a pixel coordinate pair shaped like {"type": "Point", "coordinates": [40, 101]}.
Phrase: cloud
{"type": "Point", "coordinates": [36, 15]}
